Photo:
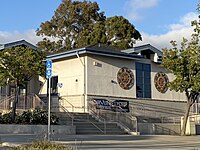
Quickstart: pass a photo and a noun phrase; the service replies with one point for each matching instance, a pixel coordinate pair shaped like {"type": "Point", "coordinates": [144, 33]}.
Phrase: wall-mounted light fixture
{"type": "Point", "coordinates": [97, 64]}
{"type": "Point", "coordinates": [112, 81]}
{"type": "Point", "coordinates": [60, 85]}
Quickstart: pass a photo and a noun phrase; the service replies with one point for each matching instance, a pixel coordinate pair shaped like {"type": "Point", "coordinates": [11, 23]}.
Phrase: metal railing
{"type": "Point", "coordinates": [73, 118]}
{"type": "Point", "coordinates": [122, 118]}
{"type": "Point", "coordinates": [68, 113]}
{"type": "Point", "coordinates": [154, 110]}
{"type": "Point", "coordinates": [174, 120]}
{"type": "Point", "coordinates": [158, 129]}
{"type": "Point", "coordinates": [24, 102]}
{"type": "Point", "coordinates": [63, 101]}
{"type": "Point", "coordinates": [97, 117]}
{"type": "Point", "coordinates": [5, 102]}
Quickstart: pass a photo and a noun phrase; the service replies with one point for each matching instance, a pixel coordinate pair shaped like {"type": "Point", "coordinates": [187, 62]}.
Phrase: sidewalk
{"type": "Point", "coordinates": [112, 142]}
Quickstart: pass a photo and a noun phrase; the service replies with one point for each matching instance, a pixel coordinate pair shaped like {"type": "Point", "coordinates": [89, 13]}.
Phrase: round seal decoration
{"type": "Point", "coordinates": [125, 78]}
{"type": "Point", "coordinates": [160, 81]}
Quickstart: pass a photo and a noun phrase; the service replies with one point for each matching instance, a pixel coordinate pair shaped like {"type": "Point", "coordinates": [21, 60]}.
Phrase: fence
{"type": "Point", "coordinates": [24, 102]}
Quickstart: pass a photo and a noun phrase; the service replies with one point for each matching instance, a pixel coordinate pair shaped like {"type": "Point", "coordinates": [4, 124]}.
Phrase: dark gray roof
{"type": "Point", "coordinates": [93, 51]}
{"type": "Point", "coordinates": [18, 43]}
{"type": "Point", "coordinates": [145, 48]}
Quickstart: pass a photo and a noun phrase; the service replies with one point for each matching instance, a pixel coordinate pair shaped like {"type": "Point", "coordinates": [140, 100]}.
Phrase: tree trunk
{"type": "Point", "coordinates": [185, 119]}
{"type": "Point", "coordinates": [15, 103]}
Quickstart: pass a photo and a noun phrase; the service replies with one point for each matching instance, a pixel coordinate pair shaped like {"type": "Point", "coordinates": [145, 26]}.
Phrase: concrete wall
{"type": "Point", "coordinates": [36, 129]}
{"type": "Point", "coordinates": [159, 129]}
{"type": "Point", "coordinates": [34, 85]}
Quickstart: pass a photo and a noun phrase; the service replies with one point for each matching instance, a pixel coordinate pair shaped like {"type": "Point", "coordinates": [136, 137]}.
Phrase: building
{"type": "Point", "coordinates": [132, 79]}
{"type": "Point", "coordinates": [101, 72]}
{"type": "Point", "coordinates": [27, 93]}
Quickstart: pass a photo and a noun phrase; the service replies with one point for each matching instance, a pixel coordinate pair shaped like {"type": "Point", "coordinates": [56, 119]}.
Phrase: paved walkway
{"type": "Point", "coordinates": [114, 142]}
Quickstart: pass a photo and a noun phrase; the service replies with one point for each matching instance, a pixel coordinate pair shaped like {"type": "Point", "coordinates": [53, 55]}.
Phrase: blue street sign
{"type": "Point", "coordinates": [49, 64]}
{"type": "Point", "coordinates": [49, 69]}
{"type": "Point", "coordinates": [49, 73]}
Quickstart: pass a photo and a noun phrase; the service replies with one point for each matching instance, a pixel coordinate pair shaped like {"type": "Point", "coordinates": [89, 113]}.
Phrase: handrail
{"type": "Point", "coordinates": [164, 129]}
{"type": "Point", "coordinates": [97, 127]}
{"type": "Point", "coordinates": [38, 98]}
{"type": "Point", "coordinates": [99, 118]}
{"type": "Point", "coordinates": [171, 119]}
{"type": "Point", "coordinates": [6, 105]}
{"type": "Point", "coordinates": [128, 118]}
{"type": "Point", "coordinates": [163, 108]}
{"type": "Point", "coordinates": [157, 110]}
{"type": "Point", "coordinates": [6, 99]}
{"type": "Point", "coordinates": [68, 103]}
{"type": "Point", "coordinates": [68, 113]}
{"type": "Point", "coordinates": [131, 117]}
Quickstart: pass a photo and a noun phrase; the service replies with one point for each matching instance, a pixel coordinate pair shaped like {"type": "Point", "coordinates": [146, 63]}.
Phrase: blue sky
{"type": "Point", "coordinates": [159, 21]}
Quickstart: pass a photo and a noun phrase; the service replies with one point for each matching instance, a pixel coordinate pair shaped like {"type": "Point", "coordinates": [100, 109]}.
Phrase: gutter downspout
{"type": "Point", "coordinates": [84, 78]}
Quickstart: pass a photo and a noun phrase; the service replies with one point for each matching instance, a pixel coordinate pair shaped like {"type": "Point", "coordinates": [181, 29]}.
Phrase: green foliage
{"type": "Point", "coordinates": [6, 118]}
{"type": "Point", "coordinates": [43, 145]}
{"type": "Point", "coordinates": [184, 63]}
{"type": "Point", "coordinates": [39, 116]}
{"type": "Point", "coordinates": [24, 118]}
{"type": "Point", "coordinates": [19, 64]}
{"type": "Point", "coordinates": [121, 33]}
{"type": "Point", "coordinates": [36, 116]}
{"type": "Point", "coordinates": [78, 24]}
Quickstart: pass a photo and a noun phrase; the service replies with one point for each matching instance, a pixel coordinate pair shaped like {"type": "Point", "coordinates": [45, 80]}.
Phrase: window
{"type": "Point", "coordinates": [54, 88]}
{"type": "Point", "coordinates": [143, 80]}
{"type": "Point", "coordinates": [54, 82]}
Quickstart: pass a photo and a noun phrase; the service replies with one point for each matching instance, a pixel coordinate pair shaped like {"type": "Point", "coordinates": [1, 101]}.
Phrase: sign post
{"type": "Point", "coordinates": [48, 76]}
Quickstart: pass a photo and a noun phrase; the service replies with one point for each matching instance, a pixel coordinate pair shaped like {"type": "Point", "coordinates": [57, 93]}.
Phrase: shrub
{"type": "Point", "coordinates": [37, 116]}
{"type": "Point", "coordinates": [43, 145]}
{"type": "Point", "coordinates": [6, 118]}
{"type": "Point", "coordinates": [24, 118]}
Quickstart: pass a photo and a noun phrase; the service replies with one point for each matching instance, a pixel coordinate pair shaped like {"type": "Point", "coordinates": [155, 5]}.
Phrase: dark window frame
{"type": "Point", "coordinates": [143, 80]}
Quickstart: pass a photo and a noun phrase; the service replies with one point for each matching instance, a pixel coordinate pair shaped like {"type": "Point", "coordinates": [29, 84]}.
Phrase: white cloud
{"type": "Point", "coordinates": [184, 22]}
{"type": "Point", "coordinates": [175, 32]}
{"type": "Point", "coordinates": [29, 35]}
{"type": "Point", "coordinates": [134, 7]}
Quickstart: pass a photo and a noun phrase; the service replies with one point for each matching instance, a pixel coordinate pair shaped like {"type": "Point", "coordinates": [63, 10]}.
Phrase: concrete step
{"type": "Point", "coordinates": [86, 124]}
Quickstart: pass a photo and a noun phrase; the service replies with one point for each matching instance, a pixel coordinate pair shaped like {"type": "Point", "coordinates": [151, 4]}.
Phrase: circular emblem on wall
{"type": "Point", "coordinates": [161, 80]}
{"type": "Point", "coordinates": [125, 78]}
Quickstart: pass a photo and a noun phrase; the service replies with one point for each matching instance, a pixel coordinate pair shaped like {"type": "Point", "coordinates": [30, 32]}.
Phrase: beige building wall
{"type": "Point", "coordinates": [70, 73]}
{"type": "Point", "coordinates": [102, 76]}
{"type": "Point", "coordinates": [101, 70]}
{"type": "Point", "coordinates": [96, 76]}
{"type": "Point", "coordinates": [168, 95]}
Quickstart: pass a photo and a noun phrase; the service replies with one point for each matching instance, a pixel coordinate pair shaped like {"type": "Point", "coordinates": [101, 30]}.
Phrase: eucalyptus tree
{"type": "Point", "coordinates": [80, 23]}
{"type": "Point", "coordinates": [17, 66]}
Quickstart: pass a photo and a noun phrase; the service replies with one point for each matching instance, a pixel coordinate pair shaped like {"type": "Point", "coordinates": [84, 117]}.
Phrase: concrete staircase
{"type": "Point", "coordinates": [86, 124]}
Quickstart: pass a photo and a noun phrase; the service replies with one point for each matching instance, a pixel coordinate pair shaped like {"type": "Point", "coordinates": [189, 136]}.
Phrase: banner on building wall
{"type": "Point", "coordinates": [120, 105]}
{"type": "Point", "coordinates": [117, 105]}
{"type": "Point", "coordinates": [102, 104]}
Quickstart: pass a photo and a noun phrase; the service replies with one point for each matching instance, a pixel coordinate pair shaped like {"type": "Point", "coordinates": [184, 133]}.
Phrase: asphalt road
{"type": "Point", "coordinates": [113, 142]}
